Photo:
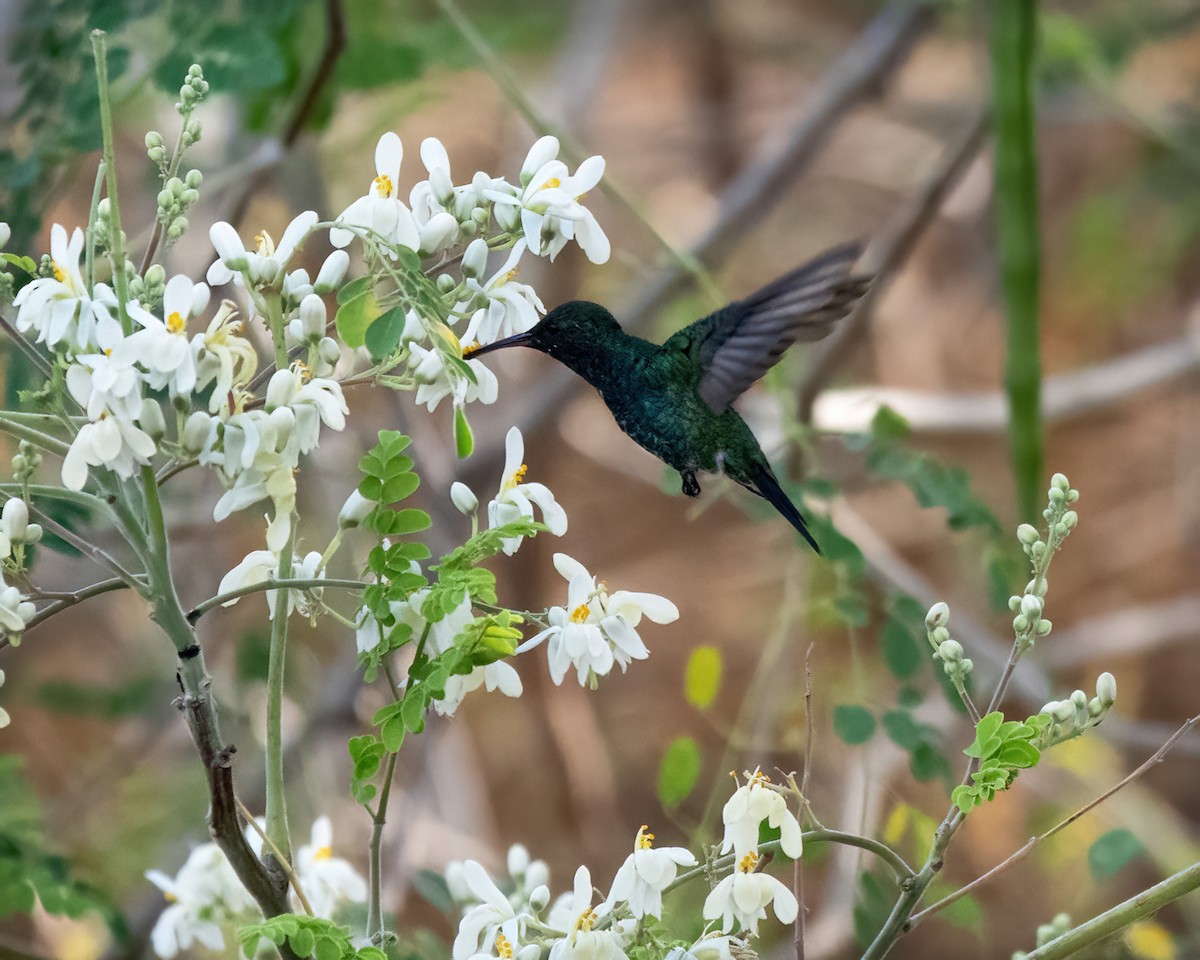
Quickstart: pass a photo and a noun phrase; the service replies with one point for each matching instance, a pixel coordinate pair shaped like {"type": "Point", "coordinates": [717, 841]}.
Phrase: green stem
{"type": "Point", "coordinates": [1122, 915]}
{"type": "Point", "coordinates": [276, 803]}
{"type": "Point", "coordinates": [116, 240]}
{"type": "Point", "coordinates": [89, 250]}
{"type": "Point", "coordinates": [375, 869]}
{"type": "Point", "coordinates": [1013, 41]}
{"type": "Point", "coordinates": [39, 439]}
{"type": "Point", "coordinates": [295, 583]}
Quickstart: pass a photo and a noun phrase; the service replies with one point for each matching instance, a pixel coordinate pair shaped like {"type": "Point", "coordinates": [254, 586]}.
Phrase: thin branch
{"type": "Point", "coordinates": [1024, 851]}
{"type": "Point", "coordinates": [27, 348]}
{"type": "Point", "coordinates": [265, 586]}
{"type": "Point", "coordinates": [896, 243]}
{"type": "Point", "coordinates": [64, 600]}
{"type": "Point", "coordinates": [283, 861]}
{"type": "Point", "coordinates": [96, 553]}
{"type": "Point", "coordinates": [798, 872]}
{"type": "Point", "coordinates": [857, 75]}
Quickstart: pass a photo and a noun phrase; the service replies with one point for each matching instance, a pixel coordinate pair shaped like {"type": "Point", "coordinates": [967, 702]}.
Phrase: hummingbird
{"type": "Point", "coordinates": [675, 399]}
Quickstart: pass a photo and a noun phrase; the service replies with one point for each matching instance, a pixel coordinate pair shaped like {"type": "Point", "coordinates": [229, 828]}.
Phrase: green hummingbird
{"type": "Point", "coordinates": [675, 399]}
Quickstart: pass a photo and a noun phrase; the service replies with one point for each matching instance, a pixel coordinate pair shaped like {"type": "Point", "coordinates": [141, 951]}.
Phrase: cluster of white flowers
{"type": "Point", "coordinates": [16, 532]}
{"type": "Point", "coordinates": [517, 918]}
{"type": "Point", "coordinates": [207, 900]}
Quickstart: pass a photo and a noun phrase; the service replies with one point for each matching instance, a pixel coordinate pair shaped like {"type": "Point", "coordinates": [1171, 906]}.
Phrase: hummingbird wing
{"type": "Point", "coordinates": [738, 344]}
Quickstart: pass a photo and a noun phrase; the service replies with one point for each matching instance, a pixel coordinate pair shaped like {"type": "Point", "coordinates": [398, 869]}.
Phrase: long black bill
{"type": "Point", "coordinates": [517, 340]}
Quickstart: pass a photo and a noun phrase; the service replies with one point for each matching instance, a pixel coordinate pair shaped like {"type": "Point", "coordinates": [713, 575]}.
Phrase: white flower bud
{"type": "Point", "coordinates": [966, 666]}
{"type": "Point", "coordinates": [414, 328]}
{"type": "Point", "coordinates": [332, 272]}
{"type": "Point", "coordinates": [939, 635]}
{"type": "Point", "coordinates": [1020, 623]}
{"type": "Point", "coordinates": [456, 883]}
{"type": "Point", "coordinates": [950, 651]}
{"type": "Point", "coordinates": [474, 260]}
{"type": "Point", "coordinates": [518, 860]}
{"type": "Point", "coordinates": [1031, 606]}
{"type": "Point", "coordinates": [15, 519]}
{"type": "Point", "coordinates": [1044, 627]}
{"type": "Point", "coordinates": [354, 511]}
{"type": "Point", "coordinates": [228, 244]}
{"type": "Point", "coordinates": [541, 153]}
{"type": "Point", "coordinates": [5, 234]}
{"type": "Point", "coordinates": [1059, 481]}
{"type": "Point", "coordinates": [463, 498]}
{"type": "Point", "coordinates": [537, 874]}
{"type": "Point", "coordinates": [1070, 519]}
{"type": "Point", "coordinates": [281, 388]}
{"type": "Point", "coordinates": [151, 419]}
{"type": "Point", "coordinates": [312, 317]}
{"type": "Point", "coordinates": [938, 615]}
{"type": "Point", "coordinates": [1014, 603]}
{"type": "Point", "coordinates": [445, 283]}
{"type": "Point", "coordinates": [438, 233]}
{"type": "Point", "coordinates": [1106, 688]}
{"type": "Point", "coordinates": [1079, 699]}
{"type": "Point", "coordinates": [1060, 710]}
{"type": "Point", "coordinates": [196, 431]}
{"type": "Point", "coordinates": [539, 899]}
{"type": "Point", "coordinates": [1027, 534]}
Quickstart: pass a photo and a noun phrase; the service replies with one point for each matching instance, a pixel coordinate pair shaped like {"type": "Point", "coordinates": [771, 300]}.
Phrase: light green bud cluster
{"type": "Point", "coordinates": [1046, 932]}
{"type": "Point", "coordinates": [1071, 717]}
{"type": "Point", "coordinates": [104, 238]}
{"type": "Point", "coordinates": [26, 462]}
{"type": "Point", "coordinates": [148, 290]}
{"type": "Point", "coordinates": [1028, 622]}
{"type": "Point", "coordinates": [950, 652]}
{"type": "Point", "coordinates": [174, 200]}
{"type": "Point", "coordinates": [193, 91]}
{"type": "Point", "coordinates": [6, 288]}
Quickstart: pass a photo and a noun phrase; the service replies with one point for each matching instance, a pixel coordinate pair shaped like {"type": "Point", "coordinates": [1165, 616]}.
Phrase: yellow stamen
{"type": "Point", "coordinates": [586, 920]}
{"type": "Point", "coordinates": [749, 862]}
{"type": "Point", "coordinates": [645, 839]}
{"type": "Point", "coordinates": [324, 853]}
{"type": "Point", "coordinates": [470, 348]}
{"type": "Point", "coordinates": [511, 275]}
{"type": "Point", "coordinates": [504, 947]}
{"type": "Point", "coordinates": [383, 183]}
{"type": "Point", "coordinates": [59, 274]}
{"type": "Point", "coordinates": [108, 351]}
{"type": "Point", "coordinates": [517, 478]}
{"type": "Point", "coordinates": [581, 613]}
{"type": "Point", "coordinates": [170, 897]}
{"type": "Point", "coordinates": [303, 369]}
{"type": "Point", "coordinates": [759, 778]}
{"type": "Point", "coordinates": [264, 244]}
{"type": "Point", "coordinates": [552, 184]}
{"type": "Point", "coordinates": [175, 322]}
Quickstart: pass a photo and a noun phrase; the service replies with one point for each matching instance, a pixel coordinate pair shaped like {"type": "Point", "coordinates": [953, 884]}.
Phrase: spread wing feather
{"type": "Point", "coordinates": [738, 344]}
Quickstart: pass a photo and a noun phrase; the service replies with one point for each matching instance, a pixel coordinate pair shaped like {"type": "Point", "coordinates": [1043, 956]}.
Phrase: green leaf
{"type": "Point", "coordinates": [1018, 753]}
{"type": "Point", "coordinates": [1109, 855]}
{"type": "Point", "coordinates": [354, 316]}
{"type": "Point", "coordinates": [432, 887]}
{"type": "Point", "coordinates": [302, 942]}
{"type": "Point", "coordinates": [854, 724]}
{"type": "Point", "coordinates": [382, 337]}
{"type": "Point", "coordinates": [20, 262]}
{"type": "Point", "coordinates": [702, 677]}
{"type": "Point", "coordinates": [373, 61]}
{"type": "Point", "coordinates": [329, 949]}
{"type": "Point", "coordinates": [928, 763]}
{"type": "Point", "coordinates": [464, 440]}
{"type": "Point", "coordinates": [903, 729]}
{"type": "Point", "coordinates": [392, 733]}
{"type": "Point", "coordinates": [679, 771]}
{"type": "Point", "coordinates": [355, 288]}
{"type": "Point", "coordinates": [407, 521]}
{"type": "Point", "coordinates": [901, 651]}
{"type": "Point", "coordinates": [399, 487]}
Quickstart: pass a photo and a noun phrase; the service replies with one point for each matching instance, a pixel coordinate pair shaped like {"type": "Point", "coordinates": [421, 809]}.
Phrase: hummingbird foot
{"type": "Point", "coordinates": [691, 486]}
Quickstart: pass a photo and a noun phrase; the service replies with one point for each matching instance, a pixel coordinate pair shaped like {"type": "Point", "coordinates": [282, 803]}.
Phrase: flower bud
{"type": "Point", "coordinates": [938, 615]}
{"type": "Point", "coordinates": [1059, 481]}
{"type": "Point", "coordinates": [281, 388]}
{"type": "Point", "coordinates": [312, 317]}
{"type": "Point", "coordinates": [15, 518]}
{"type": "Point", "coordinates": [354, 511]}
{"type": "Point", "coordinates": [1070, 519]}
{"type": "Point", "coordinates": [153, 139]}
{"type": "Point", "coordinates": [1079, 699]}
{"type": "Point", "coordinates": [150, 418]}
{"type": "Point", "coordinates": [463, 498]}
{"type": "Point", "coordinates": [541, 153]}
{"type": "Point", "coordinates": [456, 883]}
{"type": "Point", "coordinates": [537, 874]}
{"type": "Point", "coordinates": [193, 178]}
{"type": "Point", "coordinates": [474, 260]}
{"type": "Point", "coordinates": [328, 351]}
{"type": "Point", "coordinates": [539, 898]}
{"type": "Point", "coordinates": [1027, 534]}
{"type": "Point", "coordinates": [1031, 606]}
{"type": "Point", "coordinates": [950, 651]}
{"type": "Point", "coordinates": [518, 860]}
{"type": "Point", "coordinates": [445, 283]}
{"type": "Point", "coordinates": [1106, 688]}
{"type": "Point", "coordinates": [438, 233]}
{"type": "Point", "coordinates": [332, 272]}
{"type": "Point", "coordinates": [196, 432]}
{"type": "Point", "coordinates": [1060, 710]}
{"type": "Point", "coordinates": [1044, 627]}
{"type": "Point", "coordinates": [228, 245]}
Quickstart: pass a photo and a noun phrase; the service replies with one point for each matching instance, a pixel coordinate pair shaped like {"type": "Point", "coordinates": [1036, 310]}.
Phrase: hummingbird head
{"type": "Point", "coordinates": [569, 333]}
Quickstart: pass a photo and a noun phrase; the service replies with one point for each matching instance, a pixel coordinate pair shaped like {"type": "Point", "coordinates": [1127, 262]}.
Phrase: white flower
{"type": "Point", "coordinates": [309, 325]}
{"type": "Point", "coordinates": [5, 234]}
{"type": "Point", "coordinates": [260, 566]}
{"type": "Point", "coordinates": [380, 211]}
{"type": "Point", "coordinates": [204, 894]}
{"type": "Point", "coordinates": [354, 511]}
{"type": "Point", "coordinates": [463, 498]}
{"type": "Point", "coordinates": [493, 676]}
{"type": "Point", "coordinates": [332, 272]}
{"type": "Point", "coordinates": [549, 204]}
{"type": "Point", "coordinates": [646, 873]}
{"type": "Point", "coordinates": [60, 308]}
{"type": "Point", "coordinates": [265, 265]}
{"type": "Point", "coordinates": [111, 442]}
{"type": "Point", "coordinates": [596, 631]}
{"type": "Point", "coordinates": [582, 942]}
{"type": "Point", "coordinates": [515, 498]}
{"type": "Point", "coordinates": [325, 879]}
{"type": "Point", "coordinates": [15, 610]}
{"type": "Point", "coordinates": [224, 356]}
{"type": "Point", "coordinates": [408, 612]}
{"type": "Point", "coordinates": [750, 805]}
{"type": "Point", "coordinates": [162, 348]}
{"type": "Point", "coordinates": [743, 896]}
{"type": "Point", "coordinates": [505, 307]}
{"type": "Point", "coordinates": [5, 719]}
{"type": "Point", "coordinates": [482, 921]}
{"type": "Point", "coordinates": [438, 379]}
{"type": "Point", "coordinates": [108, 382]}
{"type": "Point", "coordinates": [313, 402]}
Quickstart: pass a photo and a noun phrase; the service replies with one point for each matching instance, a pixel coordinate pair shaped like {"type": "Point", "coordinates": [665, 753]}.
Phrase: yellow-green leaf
{"type": "Point", "coordinates": [702, 678]}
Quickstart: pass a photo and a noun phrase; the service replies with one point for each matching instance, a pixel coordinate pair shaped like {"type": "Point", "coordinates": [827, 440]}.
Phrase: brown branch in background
{"type": "Point", "coordinates": [858, 74]}
{"type": "Point", "coordinates": [888, 254]}
{"type": "Point", "coordinates": [335, 46]}
{"type": "Point", "coordinates": [798, 874]}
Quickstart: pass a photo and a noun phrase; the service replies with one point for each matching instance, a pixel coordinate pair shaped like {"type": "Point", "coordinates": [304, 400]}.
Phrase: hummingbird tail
{"type": "Point", "coordinates": [762, 482]}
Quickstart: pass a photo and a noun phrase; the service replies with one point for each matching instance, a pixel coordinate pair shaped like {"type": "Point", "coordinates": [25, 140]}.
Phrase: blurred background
{"type": "Point", "coordinates": [745, 135]}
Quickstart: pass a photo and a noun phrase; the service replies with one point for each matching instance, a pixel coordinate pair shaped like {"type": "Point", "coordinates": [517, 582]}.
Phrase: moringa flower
{"type": "Point", "coordinates": [503, 306]}
{"type": "Point", "coordinates": [646, 873]}
{"type": "Point", "coordinates": [743, 896]}
{"type": "Point", "coordinates": [380, 210]}
{"type": "Point", "coordinates": [751, 804]}
{"type": "Point", "coordinates": [326, 880]}
{"type": "Point", "coordinates": [515, 499]}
